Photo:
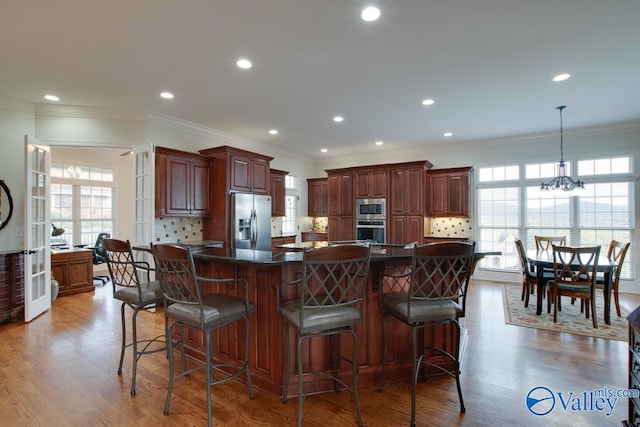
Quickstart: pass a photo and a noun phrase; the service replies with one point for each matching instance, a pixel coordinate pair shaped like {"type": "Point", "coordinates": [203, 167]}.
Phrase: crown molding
{"type": "Point", "coordinates": [74, 111]}
{"type": "Point", "coordinates": [16, 105]}
{"type": "Point", "coordinates": [225, 138]}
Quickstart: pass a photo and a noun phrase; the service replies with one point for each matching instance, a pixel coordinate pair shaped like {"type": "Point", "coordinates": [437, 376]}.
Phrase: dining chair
{"type": "Point", "coordinates": [616, 253]}
{"type": "Point", "coordinates": [529, 276]}
{"type": "Point", "coordinates": [431, 292]}
{"type": "Point", "coordinates": [326, 301]}
{"type": "Point", "coordinates": [544, 243]}
{"type": "Point", "coordinates": [132, 285]}
{"type": "Point", "coordinates": [187, 305]}
{"type": "Point", "coordinates": [574, 275]}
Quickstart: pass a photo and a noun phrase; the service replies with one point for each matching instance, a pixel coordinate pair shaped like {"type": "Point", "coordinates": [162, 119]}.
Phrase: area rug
{"type": "Point", "coordinates": [570, 319]}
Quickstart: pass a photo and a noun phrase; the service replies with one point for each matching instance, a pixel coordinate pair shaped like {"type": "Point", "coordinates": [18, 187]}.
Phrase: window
{"type": "Point", "coordinates": [82, 201]}
{"type": "Point", "coordinates": [511, 205]}
{"type": "Point", "coordinates": [292, 196]}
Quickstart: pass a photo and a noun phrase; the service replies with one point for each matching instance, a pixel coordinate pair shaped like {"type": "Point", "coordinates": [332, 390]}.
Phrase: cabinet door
{"type": "Point", "coordinates": [240, 173]}
{"type": "Point", "coordinates": [406, 229]}
{"type": "Point", "coordinates": [406, 191]}
{"type": "Point", "coordinates": [176, 186]}
{"type": "Point", "coordinates": [182, 184]}
{"type": "Point", "coordinates": [317, 203]}
{"type": "Point", "coordinates": [371, 183]}
{"type": "Point", "coordinates": [438, 195]}
{"type": "Point", "coordinates": [458, 195]}
{"type": "Point", "coordinates": [277, 194]}
{"type": "Point", "coordinates": [200, 190]}
{"type": "Point", "coordinates": [259, 177]}
{"type": "Point", "coordinates": [340, 228]}
{"type": "Point", "coordinates": [449, 192]}
{"type": "Point", "coordinates": [340, 191]}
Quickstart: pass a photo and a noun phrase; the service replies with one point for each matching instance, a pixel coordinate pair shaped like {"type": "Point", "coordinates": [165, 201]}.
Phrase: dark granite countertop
{"type": "Point", "coordinates": [196, 244]}
{"type": "Point", "coordinates": [379, 253]}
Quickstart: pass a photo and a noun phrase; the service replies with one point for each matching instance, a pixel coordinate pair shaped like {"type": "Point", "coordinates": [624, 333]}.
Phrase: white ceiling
{"type": "Point", "coordinates": [488, 65]}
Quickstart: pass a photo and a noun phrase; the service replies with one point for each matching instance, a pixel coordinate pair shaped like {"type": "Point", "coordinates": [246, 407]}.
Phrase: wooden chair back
{"type": "Point", "coordinates": [544, 243]}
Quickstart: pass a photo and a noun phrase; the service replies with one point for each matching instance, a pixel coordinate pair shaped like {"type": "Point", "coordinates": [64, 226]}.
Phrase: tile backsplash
{"type": "Point", "coordinates": [451, 227]}
{"type": "Point", "coordinates": [170, 230]}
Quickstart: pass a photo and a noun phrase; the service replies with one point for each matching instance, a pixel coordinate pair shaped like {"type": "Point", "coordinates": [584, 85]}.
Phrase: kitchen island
{"type": "Point", "coordinates": [264, 270]}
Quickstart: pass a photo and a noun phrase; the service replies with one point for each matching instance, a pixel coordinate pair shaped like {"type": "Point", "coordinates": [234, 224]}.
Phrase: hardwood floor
{"type": "Point", "coordinates": [60, 370]}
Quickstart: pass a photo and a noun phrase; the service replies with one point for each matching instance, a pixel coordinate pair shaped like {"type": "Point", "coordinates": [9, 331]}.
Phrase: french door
{"type": "Point", "coordinates": [37, 229]}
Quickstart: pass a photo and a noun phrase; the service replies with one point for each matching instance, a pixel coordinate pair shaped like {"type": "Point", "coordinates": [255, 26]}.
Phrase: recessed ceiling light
{"type": "Point", "coordinates": [323, 150]}
{"type": "Point", "coordinates": [338, 119]}
{"type": "Point", "coordinates": [448, 134]}
{"type": "Point", "coordinates": [273, 131]}
{"type": "Point", "coordinates": [428, 101]}
{"type": "Point", "coordinates": [244, 63]}
{"type": "Point", "coordinates": [379, 142]}
{"type": "Point", "coordinates": [51, 98]}
{"type": "Point", "coordinates": [166, 95]}
{"type": "Point", "coordinates": [370, 14]}
{"type": "Point", "coordinates": [561, 77]}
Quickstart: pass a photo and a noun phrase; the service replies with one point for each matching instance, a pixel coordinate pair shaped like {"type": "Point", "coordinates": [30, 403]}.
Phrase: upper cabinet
{"type": "Point", "coordinates": [407, 184]}
{"type": "Point", "coordinates": [246, 172]}
{"type": "Point", "coordinates": [371, 183]}
{"type": "Point", "coordinates": [317, 197]}
{"type": "Point", "coordinates": [249, 173]}
{"type": "Point", "coordinates": [182, 183]}
{"type": "Point", "coordinates": [448, 191]}
{"type": "Point", "coordinates": [278, 192]}
{"type": "Point", "coordinates": [233, 170]}
{"type": "Point", "coordinates": [340, 191]}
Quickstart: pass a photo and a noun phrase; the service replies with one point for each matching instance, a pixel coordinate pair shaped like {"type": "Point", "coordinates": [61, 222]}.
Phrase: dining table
{"type": "Point", "coordinates": [542, 260]}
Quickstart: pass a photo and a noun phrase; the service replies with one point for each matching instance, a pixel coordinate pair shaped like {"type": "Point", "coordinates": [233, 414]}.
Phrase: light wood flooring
{"type": "Point", "coordinates": [60, 370]}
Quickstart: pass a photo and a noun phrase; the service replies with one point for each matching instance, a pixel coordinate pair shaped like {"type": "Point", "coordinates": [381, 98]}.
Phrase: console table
{"type": "Point", "coordinates": [73, 269]}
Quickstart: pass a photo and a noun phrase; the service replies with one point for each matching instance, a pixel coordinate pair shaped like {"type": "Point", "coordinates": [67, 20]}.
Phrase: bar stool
{"type": "Point", "coordinates": [431, 292]}
{"type": "Point", "coordinates": [327, 302]}
{"type": "Point", "coordinates": [187, 306]}
{"type": "Point", "coordinates": [137, 294]}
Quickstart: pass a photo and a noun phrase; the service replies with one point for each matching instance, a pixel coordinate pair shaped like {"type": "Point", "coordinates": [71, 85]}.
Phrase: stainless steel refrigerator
{"type": "Point", "coordinates": [251, 221]}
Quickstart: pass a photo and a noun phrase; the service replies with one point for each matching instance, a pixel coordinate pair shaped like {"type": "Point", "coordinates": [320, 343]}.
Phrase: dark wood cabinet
{"type": "Point", "coordinates": [317, 197]}
{"type": "Point", "coordinates": [281, 240]}
{"type": "Point", "coordinates": [406, 229]}
{"type": "Point", "coordinates": [313, 236]}
{"type": "Point", "coordinates": [406, 220]}
{"type": "Point", "coordinates": [371, 183]}
{"type": "Point", "coordinates": [448, 191]}
{"type": "Point", "coordinates": [340, 228]}
{"type": "Point", "coordinates": [11, 287]}
{"type": "Point", "coordinates": [182, 184]}
{"type": "Point", "coordinates": [73, 269]}
{"type": "Point", "coordinates": [407, 189]}
{"type": "Point", "coordinates": [278, 192]}
{"type": "Point", "coordinates": [232, 170]}
{"type": "Point", "coordinates": [340, 193]}
{"type": "Point", "coordinates": [249, 174]}
{"type": "Point", "coordinates": [340, 224]}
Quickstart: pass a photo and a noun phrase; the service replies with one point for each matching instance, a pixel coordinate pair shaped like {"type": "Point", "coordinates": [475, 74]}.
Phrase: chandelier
{"type": "Point", "coordinates": [562, 181]}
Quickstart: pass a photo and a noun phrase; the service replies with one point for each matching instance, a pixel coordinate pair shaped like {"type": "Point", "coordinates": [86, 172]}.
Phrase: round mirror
{"type": "Point", "coordinates": [6, 205]}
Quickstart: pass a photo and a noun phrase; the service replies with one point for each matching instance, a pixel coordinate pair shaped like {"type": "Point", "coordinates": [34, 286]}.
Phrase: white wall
{"type": "Point", "coordinates": [16, 120]}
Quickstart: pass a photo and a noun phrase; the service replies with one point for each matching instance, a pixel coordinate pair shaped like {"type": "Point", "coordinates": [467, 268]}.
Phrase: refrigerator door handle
{"type": "Point", "coordinates": [254, 228]}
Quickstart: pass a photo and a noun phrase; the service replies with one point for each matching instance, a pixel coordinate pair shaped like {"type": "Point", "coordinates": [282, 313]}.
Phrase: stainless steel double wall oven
{"type": "Point", "coordinates": [371, 220]}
